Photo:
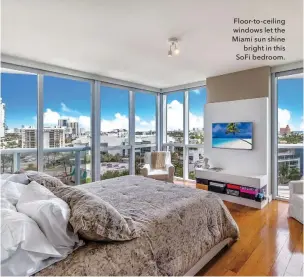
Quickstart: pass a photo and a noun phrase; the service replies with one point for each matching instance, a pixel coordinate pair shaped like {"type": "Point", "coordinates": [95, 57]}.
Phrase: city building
{"type": "Point", "coordinates": [74, 128]}
{"type": "Point", "coordinates": [29, 138]}
{"type": "Point", "coordinates": [285, 131]}
{"type": "Point", "coordinates": [63, 123]}
{"type": "Point", "coordinates": [293, 158]}
{"type": "Point", "coordinates": [2, 119]}
{"type": "Point", "coordinates": [52, 137]}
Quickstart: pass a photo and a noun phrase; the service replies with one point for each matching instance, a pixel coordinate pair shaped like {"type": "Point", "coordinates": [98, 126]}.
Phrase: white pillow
{"type": "Point", "coordinates": [22, 240]}
{"type": "Point", "coordinates": [11, 190]}
{"type": "Point", "coordinates": [5, 204]}
{"type": "Point", "coordinates": [51, 214]}
{"type": "Point", "coordinates": [17, 178]}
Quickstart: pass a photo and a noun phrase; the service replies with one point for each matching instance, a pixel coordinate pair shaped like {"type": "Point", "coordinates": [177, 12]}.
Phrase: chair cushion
{"type": "Point", "coordinates": [158, 172]}
{"type": "Point", "coordinates": [158, 160]}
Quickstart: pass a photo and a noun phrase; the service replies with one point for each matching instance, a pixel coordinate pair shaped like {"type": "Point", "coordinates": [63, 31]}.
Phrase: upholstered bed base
{"type": "Point", "coordinates": [208, 257]}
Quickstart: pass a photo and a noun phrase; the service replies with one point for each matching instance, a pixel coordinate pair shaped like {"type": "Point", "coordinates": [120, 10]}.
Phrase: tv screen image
{"type": "Point", "coordinates": [234, 135]}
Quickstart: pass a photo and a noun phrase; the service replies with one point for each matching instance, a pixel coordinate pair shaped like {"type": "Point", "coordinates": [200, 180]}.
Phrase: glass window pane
{"type": "Point", "coordinates": [197, 101]}
{"type": "Point", "coordinates": [145, 108]}
{"type": "Point", "coordinates": [176, 159]}
{"type": "Point", "coordinates": [18, 125]}
{"type": "Point", "coordinates": [67, 109]}
{"type": "Point", "coordinates": [114, 132]}
{"type": "Point", "coordinates": [195, 154]}
{"type": "Point", "coordinates": [290, 131]}
{"type": "Point", "coordinates": [175, 117]}
{"type": "Point", "coordinates": [114, 163]}
{"type": "Point", "coordinates": [114, 116]}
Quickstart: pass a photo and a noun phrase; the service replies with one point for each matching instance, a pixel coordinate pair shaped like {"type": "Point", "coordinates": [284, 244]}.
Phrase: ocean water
{"type": "Point", "coordinates": [219, 142]}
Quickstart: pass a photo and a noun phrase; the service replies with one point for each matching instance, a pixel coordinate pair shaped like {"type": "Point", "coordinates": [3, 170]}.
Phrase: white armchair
{"type": "Point", "coordinates": [166, 173]}
{"type": "Point", "coordinates": [296, 199]}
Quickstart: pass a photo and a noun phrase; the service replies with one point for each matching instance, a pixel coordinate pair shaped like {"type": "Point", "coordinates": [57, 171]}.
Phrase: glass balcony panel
{"type": "Point", "coordinates": [176, 159]}
{"type": "Point", "coordinates": [194, 154]}
{"type": "Point", "coordinates": [114, 163]}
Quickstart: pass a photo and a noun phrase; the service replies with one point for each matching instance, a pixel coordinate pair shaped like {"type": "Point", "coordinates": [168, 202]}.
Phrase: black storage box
{"type": "Point", "coordinates": [217, 187]}
{"type": "Point", "coordinates": [202, 181]}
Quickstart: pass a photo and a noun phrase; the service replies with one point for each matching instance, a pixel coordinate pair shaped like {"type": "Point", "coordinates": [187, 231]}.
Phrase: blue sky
{"type": "Point", "coordinates": [71, 98]}
{"type": "Point", "coordinates": [290, 102]}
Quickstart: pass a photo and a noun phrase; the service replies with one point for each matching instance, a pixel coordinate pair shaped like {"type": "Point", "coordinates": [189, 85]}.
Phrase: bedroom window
{"type": "Point", "coordinates": [197, 101]}
{"type": "Point", "coordinates": [145, 128]}
{"type": "Point", "coordinates": [67, 129]}
{"type": "Point", "coordinates": [18, 125]}
{"type": "Point", "coordinates": [175, 118]}
{"type": "Point", "coordinates": [289, 98]}
{"type": "Point", "coordinates": [114, 132]}
{"type": "Point", "coordinates": [185, 129]}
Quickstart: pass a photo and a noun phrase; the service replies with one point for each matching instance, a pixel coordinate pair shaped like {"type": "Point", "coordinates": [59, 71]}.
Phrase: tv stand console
{"type": "Point", "coordinates": [206, 176]}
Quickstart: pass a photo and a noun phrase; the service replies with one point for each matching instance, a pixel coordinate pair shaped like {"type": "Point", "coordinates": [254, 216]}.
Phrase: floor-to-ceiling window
{"type": "Point", "coordinates": [197, 101]}
{"type": "Point", "coordinates": [289, 99]}
{"type": "Point", "coordinates": [18, 120]}
{"type": "Point", "coordinates": [184, 113]}
{"type": "Point", "coordinates": [145, 126]}
{"type": "Point", "coordinates": [174, 138]}
{"type": "Point", "coordinates": [67, 129]}
{"type": "Point", "coordinates": [114, 135]}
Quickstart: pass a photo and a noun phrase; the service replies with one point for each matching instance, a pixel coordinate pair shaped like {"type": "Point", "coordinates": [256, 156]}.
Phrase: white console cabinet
{"type": "Point", "coordinates": [254, 181]}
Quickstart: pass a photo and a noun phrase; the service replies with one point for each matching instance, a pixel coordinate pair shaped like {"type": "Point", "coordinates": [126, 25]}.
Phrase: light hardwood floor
{"type": "Point", "coordinates": [270, 244]}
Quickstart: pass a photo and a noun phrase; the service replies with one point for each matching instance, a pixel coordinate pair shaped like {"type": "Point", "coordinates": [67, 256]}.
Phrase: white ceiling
{"type": "Point", "coordinates": [127, 39]}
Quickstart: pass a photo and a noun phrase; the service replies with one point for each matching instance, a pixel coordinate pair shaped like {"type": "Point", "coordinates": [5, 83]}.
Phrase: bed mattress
{"type": "Point", "coordinates": [178, 224]}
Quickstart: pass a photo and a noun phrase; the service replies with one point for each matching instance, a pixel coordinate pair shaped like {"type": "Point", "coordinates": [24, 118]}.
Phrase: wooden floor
{"type": "Point", "coordinates": [270, 244]}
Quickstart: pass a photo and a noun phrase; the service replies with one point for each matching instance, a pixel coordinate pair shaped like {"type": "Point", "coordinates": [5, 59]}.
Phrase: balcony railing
{"type": "Point", "coordinates": [16, 152]}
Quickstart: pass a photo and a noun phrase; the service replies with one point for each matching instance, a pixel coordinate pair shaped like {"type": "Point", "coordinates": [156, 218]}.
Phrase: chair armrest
{"type": "Point", "coordinates": [145, 170]}
{"type": "Point", "coordinates": [296, 187]}
{"type": "Point", "coordinates": [168, 166]}
{"type": "Point", "coordinates": [170, 169]}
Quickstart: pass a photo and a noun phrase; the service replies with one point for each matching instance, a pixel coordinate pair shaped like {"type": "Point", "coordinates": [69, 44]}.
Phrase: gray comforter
{"type": "Point", "coordinates": [178, 225]}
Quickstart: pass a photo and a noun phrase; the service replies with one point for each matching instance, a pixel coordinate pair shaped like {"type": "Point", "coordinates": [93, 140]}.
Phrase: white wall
{"type": "Point", "coordinates": [253, 162]}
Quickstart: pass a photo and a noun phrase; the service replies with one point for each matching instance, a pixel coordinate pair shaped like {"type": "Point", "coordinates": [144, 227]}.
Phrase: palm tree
{"type": "Point", "coordinates": [294, 174]}
{"type": "Point", "coordinates": [283, 173]}
{"type": "Point", "coordinates": [233, 129]}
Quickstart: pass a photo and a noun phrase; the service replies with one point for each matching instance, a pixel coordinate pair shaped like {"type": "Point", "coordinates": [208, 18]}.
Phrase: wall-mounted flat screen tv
{"type": "Point", "coordinates": [233, 135]}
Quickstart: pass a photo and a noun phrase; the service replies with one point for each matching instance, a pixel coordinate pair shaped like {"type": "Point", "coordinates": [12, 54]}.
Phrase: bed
{"type": "Point", "coordinates": [182, 229]}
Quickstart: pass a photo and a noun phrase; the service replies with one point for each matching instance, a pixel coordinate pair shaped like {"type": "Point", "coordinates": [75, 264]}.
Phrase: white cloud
{"type": "Point", "coordinates": [284, 117]}
{"type": "Point", "coordinates": [143, 125]}
{"type": "Point", "coordinates": [85, 122]}
{"type": "Point", "coordinates": [175, 117]}
{"type": "Point", "coordinates": [50, 118]}
{"type": "Point", "coordinates": [118, 122]}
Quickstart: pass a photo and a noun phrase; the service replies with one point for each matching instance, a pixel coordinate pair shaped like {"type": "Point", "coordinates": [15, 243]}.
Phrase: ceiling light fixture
{"type": "Point", "coordinates": [170, 51]}
{"type": "Point", "coordinates": [173, 42]}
